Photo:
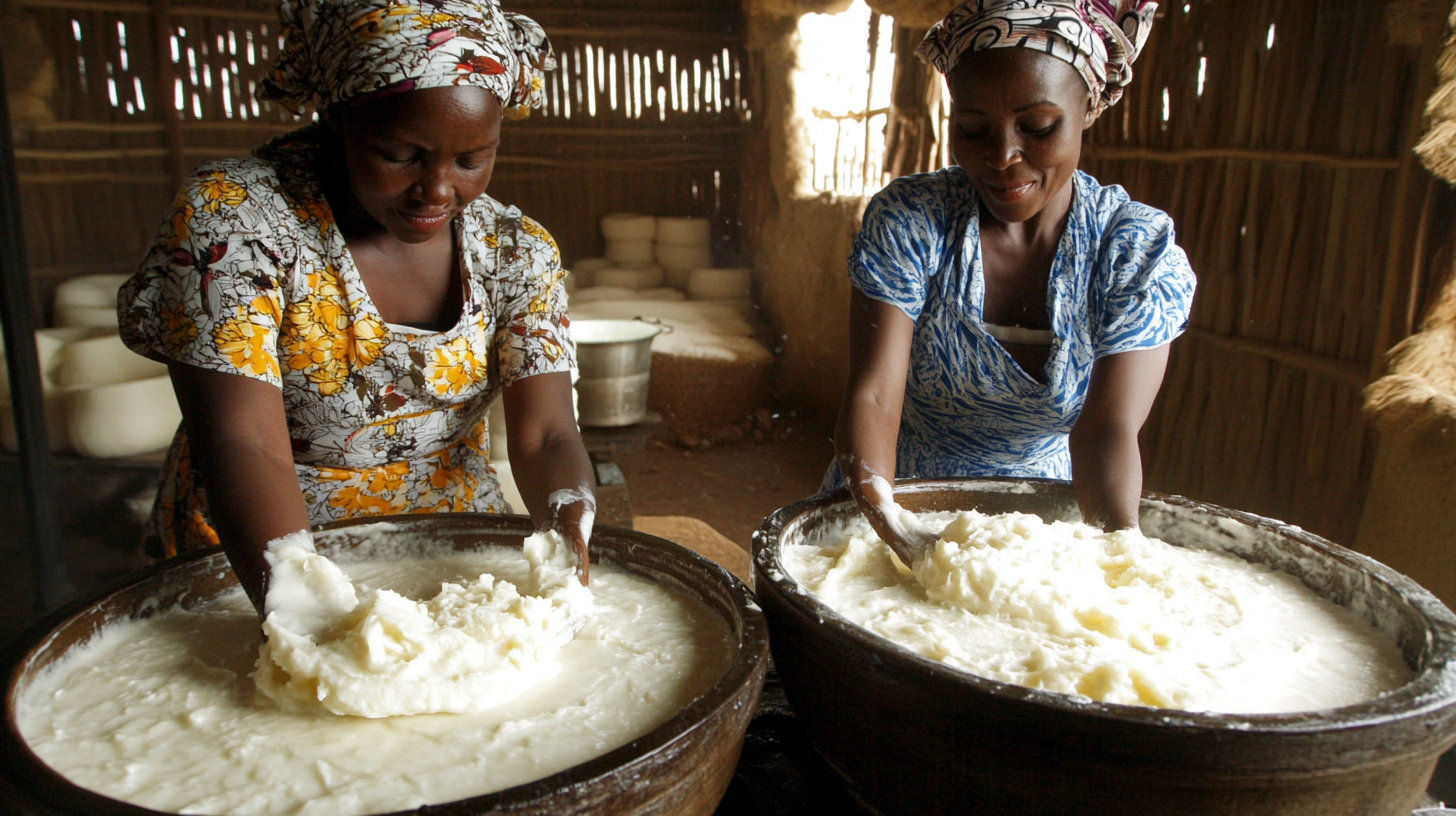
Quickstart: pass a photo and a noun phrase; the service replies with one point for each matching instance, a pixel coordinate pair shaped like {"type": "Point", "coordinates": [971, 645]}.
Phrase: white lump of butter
{"type": "Point", "coordinates": [1114, 617]}
{"type": "Point", "coordinates": [472, 647]}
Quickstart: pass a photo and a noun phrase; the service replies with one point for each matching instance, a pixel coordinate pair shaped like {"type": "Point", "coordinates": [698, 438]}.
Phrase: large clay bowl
{"type": "Point", "coordinates": [911, 735]}
{"type": "Point", "coordinates": [681, 767]}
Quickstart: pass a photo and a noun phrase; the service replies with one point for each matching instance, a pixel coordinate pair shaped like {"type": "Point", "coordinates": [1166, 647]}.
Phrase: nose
{"type": "Point", "coordinates": [1003, 150]}
{"type": "Point", "coordinates": [432, 188]}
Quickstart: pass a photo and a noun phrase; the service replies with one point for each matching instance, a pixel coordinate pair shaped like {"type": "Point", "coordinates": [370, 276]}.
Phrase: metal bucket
{"type": "Point", "coordinates": [615, 360]}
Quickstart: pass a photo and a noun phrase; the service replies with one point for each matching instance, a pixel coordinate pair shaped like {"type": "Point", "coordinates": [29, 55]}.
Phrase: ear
{"type": "Point", "coordinates": [1090, 117]}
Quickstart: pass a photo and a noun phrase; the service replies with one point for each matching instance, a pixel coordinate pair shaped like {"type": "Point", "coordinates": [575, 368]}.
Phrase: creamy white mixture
{"type": "Point", "coordinates": [472, 647]}
{"type": "Point", "coordinates": [163, 712]}
{"type": "Point", "coordinates": [1114, 617]}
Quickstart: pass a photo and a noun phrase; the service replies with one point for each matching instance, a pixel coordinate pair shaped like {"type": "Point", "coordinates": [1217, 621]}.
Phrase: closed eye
{"type": "Point", "coordinates": [398, 158]}
{"type": "Point", "coordinates": [475, 161]}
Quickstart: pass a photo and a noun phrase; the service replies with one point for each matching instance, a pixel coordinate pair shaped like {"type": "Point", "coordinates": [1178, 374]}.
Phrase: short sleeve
{"type": "Point", "coordinates": [900, 243]}
{"type": "Point", "coordinates": [532, 334]}
{"type": "Point", "coordinates": [1146, 284]}
{"type": "Point", "coordinates": [209, 292]}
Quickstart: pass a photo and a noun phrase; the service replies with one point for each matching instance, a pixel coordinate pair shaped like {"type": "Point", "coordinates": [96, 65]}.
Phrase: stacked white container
{"type": "Point", "coordinates": [683, 244]}
{"type": "Point", "coordinates": [102, 399]}
{"type": "Point", "coordinates": [629, 249]}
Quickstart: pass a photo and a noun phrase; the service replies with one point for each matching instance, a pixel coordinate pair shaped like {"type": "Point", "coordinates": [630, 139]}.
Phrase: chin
{"type": "Point", "coordinates": [1013, 214]}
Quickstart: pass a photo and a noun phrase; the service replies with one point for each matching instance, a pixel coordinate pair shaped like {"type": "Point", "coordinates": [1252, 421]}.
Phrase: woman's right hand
{"type": "Point", "coordinates": [899, 528]}
{"type": "Point", "coordinates": [238, 442]}
{"type": "Point", "coordinates": [880, 336]}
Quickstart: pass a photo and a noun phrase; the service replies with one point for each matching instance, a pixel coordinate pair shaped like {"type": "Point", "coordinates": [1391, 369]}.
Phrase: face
{"type": "Point", "coordinates": [1017, 122]}
{"type": "Point", "coordinates": [414, 160]}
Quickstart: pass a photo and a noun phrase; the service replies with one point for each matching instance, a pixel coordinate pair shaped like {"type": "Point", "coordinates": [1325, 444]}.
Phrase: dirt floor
{"type": "Point", "coordinates": [731, 487]}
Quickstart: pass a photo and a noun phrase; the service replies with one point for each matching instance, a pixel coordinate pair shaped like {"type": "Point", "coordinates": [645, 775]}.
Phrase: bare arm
{"type": "Point", "coordinates": [1107, 470]}
{"type": "Point", "coordinates": [238, 434]}
{"type": "Point", "coordinates": [880, 336]}
{"type": "Point", "coordinates": [548, 459]}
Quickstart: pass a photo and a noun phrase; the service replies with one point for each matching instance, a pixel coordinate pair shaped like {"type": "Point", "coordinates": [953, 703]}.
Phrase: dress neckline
{"type": "Point", "coordinates": [1059, 264]}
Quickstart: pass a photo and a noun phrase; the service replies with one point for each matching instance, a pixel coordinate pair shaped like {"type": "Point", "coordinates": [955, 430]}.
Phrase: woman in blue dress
{"type": "Point", "coordinates": [1010, 315]}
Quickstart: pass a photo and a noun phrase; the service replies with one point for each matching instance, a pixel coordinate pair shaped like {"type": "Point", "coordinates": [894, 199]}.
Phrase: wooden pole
{"type": "Point", "coordinates": [27, 399]}
{"type": "Point", "coordinates": [1410, 169]}
{"type": "Point", "coordinates": [166, 108]}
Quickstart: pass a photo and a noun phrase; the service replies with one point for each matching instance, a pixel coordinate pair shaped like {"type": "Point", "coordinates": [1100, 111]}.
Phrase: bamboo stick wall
{"type": "Point", "coordinates": [1278, 136]}
{"type": "Point", "coordinates": [644, 114]}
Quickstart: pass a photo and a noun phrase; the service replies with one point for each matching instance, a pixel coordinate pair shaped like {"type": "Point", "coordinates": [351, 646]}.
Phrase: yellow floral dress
{"type": "Point", "coordinates": [250, 276]}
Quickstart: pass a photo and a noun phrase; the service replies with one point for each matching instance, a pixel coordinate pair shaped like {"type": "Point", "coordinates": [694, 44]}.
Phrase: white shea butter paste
{"type": "Point", "coordinates": [473, 646]}
{"type": "Point", "coordinates": [164, 712]}
{"type": "Point", "coordinates": [1114, 617]}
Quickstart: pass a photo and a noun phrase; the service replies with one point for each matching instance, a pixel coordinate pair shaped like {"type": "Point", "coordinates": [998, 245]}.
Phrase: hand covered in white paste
{"type": "Point", "coordinates": [572, 513]}
{"type": "Point", "coordinates": [899, 528]}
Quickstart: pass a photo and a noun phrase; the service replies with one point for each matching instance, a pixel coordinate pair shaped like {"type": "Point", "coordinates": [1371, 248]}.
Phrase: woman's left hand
{"type": "Point", "coordinates": [571, 513]}
{"type": "Point", "coordinates": [547, 457]}
{"type": "Point", "coordinates": [1107, 469]}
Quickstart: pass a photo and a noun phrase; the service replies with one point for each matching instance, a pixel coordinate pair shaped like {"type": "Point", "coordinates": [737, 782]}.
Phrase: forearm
{"type": "Point", "coordinates": [865, 440]}
{"type": "Point", "coordinates": [1107, 475]}
{"type": "Point", "coordinates": [548, 463]}
{"type": "Point", "coordinates": [864, 443]}
{"type": "Point", "coordinates": [238, 442]}
{"type": "Point", "coordinates": [1107, 471]}
{"type": "Point", "coordinates": [253, 498]}
{"type": "Point", "coordinates": [546, 452]}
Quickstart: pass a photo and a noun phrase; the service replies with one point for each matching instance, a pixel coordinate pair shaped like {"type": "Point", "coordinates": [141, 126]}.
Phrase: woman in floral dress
{"type": "Point", "coordinates": [1010, 315]}
{"type": "Point", "coordinates": [339, 311]}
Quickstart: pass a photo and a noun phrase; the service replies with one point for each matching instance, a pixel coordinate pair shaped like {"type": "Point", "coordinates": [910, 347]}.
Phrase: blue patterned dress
{"type": "Point", "coordinates": [1118, 283]}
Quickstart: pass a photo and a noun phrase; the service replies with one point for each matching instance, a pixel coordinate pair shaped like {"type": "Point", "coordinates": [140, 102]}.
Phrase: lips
{"type": "Point", "coordinates": [424, 221]}
{"type": "Point", "coordinates": [1009, 193]}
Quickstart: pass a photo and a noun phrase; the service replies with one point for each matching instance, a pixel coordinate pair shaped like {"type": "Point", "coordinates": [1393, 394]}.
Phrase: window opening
{"type": "Point", "coordinates": [842, 96]}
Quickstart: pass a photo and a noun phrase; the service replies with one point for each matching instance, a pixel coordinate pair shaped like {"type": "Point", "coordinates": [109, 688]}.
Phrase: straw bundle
{"type": "Point", "coordinates": [1437, 148]}
{"type": "Point", "coordinates": [1410, 511]}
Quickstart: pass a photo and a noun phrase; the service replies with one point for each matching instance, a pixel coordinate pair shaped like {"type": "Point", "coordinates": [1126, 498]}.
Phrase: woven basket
{"type": "Point", "coordinates": [698, 396]}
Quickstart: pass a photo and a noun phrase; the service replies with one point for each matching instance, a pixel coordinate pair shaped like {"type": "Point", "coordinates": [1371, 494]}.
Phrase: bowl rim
{"type": "Point", "coordinates": [21, 765]}
{"type": "Point", "coordinates": [1432, 689]}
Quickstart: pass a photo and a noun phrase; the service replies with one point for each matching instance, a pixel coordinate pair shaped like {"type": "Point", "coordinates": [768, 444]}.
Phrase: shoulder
{"type": "Point", "coordinates": [503, 232]}
{"type": "Point", "coordinates": [238, 195]}
{"type": "Point", "coordinates": [1133, 246]}
{"type": "Point", "coordinates": [916, 214]}
{"type": "Point", "coordinates": [924, 195]}
{"type": "Point", "coordinates": [492, 222]}
{"type": "Point", "coordinates": [233, 181]}
{"type": "Point", "coordinates": [1112, 211]}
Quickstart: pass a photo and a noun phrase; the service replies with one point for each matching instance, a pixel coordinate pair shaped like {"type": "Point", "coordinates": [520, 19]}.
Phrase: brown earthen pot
{"type": "Point", "coordinates": [914, 736]}
{"type": "Point", "coordinates": [681, 767]}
